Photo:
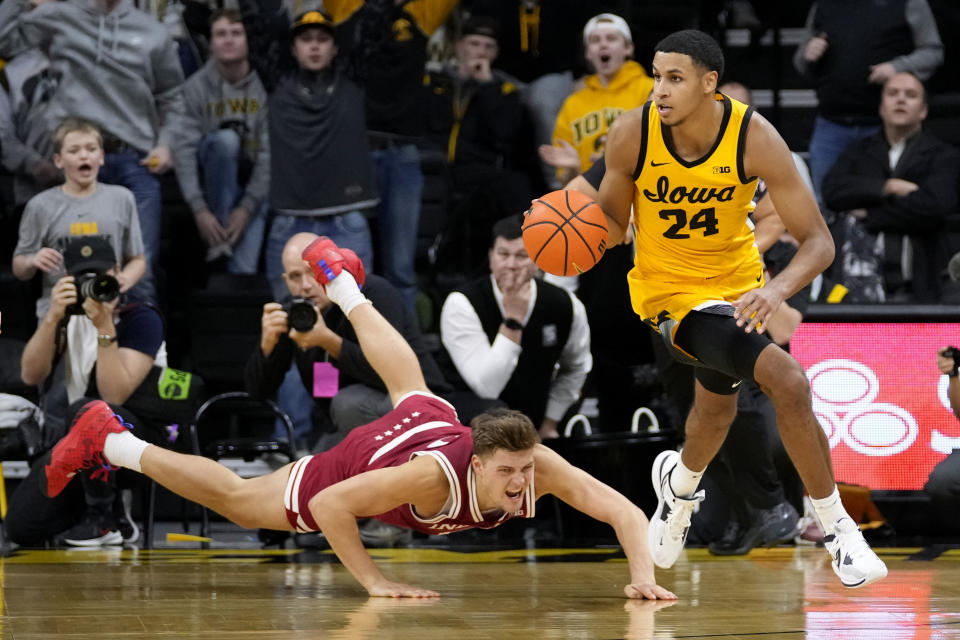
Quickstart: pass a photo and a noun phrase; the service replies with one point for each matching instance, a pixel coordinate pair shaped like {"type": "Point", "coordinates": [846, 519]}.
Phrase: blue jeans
{"type": "Point", "coordinates": [400, 183]}
{"type": "Point", "coordinates": [218, 159]}
{"type": "Point", "coordinates": [828, 141]}
{"type": "Point", "coordinates": [349, 230]}
{"type": "Point", "coordinates": [124, 169]}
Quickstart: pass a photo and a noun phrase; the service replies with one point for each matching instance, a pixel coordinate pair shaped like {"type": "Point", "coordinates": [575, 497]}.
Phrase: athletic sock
{"type": "Point", "coordinates": [830, 509]}
{"type": "Point", "coordinates": [124, 450]}
{"type": "Point", "coordinates": [683, 481]}
{"type": "Point", "coordinates": [344, 292]}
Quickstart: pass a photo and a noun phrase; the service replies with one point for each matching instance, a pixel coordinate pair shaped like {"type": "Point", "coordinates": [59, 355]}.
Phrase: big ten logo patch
{"type": "Point", "coordinates": [594, 122]}
{"type": "Point", "coordinates": [84, 228]}
{"type": "Point", "coordinates": [233, 106]}
{"type": "Point", "coordinates": [174, 384]}
{"type": "Point", "coordinates": [721, 169]}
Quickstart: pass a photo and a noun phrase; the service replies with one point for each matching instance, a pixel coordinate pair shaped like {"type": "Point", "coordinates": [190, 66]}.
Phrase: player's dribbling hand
{"type": "Point", "coordinates": [387, 589]}
{"type": "Point", "coordinates": [648, 591]}
{"type": "Point", "coordinates": [755, 308]}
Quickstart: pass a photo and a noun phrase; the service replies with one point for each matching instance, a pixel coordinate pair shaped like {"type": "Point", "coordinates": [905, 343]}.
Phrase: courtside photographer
{"type": "Point", "coordinates": [108, 350]}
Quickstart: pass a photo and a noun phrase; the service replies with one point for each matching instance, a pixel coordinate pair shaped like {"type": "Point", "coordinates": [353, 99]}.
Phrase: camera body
{"type": "Point", "coordinates": [301, 314]}
{"type": "Point", "coordinates": [88, 259]}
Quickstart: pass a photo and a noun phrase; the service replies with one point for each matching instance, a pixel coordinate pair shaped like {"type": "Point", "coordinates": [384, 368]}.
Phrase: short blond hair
{"type": "Point", "coordinates": [501, 428]}
{"type": "Point", "coordinates": [71, 125]}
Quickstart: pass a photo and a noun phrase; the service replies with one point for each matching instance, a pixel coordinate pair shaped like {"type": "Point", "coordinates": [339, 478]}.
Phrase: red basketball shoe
{"type": "Point", "coordinates": [327, 261]}
{"type": "Point", "coordinates": [82, 447]}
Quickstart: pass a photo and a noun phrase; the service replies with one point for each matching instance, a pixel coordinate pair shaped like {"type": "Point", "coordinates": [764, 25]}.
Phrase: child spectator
{"type": "Point", "coordinates": [82, 206]}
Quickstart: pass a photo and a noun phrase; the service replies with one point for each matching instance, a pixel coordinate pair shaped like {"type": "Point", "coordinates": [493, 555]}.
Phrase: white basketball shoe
{"type": "Point", "coordinates": [851, 557]}
{"type": "Point", "coordinates": [671, 520]}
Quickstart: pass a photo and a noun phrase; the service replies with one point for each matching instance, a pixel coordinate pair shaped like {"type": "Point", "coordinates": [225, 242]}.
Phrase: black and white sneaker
{"type": "Point", "coordinates": [97, 528]}
{"type": "Point", "coordinates": [671, 521]}
{"type": "Point", "coordinates": [851, 557]}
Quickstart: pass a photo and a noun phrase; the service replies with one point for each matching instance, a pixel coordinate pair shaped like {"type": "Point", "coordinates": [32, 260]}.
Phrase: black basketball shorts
{"type": "Point", "coordinates": [726, 354]}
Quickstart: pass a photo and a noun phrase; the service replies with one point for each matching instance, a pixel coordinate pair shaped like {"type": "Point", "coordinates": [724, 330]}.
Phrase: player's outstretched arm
{"type": "Point", "coordinates": [767, 156]}
{"type": "Point", "coordinates": [585, 493]}
{"type": "Point", "coordinates": [337, 508]}
{"type": "Point", "coordinates": [617, 188]}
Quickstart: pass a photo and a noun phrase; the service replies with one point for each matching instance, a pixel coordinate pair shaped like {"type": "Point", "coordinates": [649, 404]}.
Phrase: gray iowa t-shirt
{"type": "Point", "coordinates": [52, 217]}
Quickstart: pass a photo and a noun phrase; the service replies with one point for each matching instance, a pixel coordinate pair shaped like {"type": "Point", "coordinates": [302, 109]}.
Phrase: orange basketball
{"type": "Point", "coordinates": [565, 232]}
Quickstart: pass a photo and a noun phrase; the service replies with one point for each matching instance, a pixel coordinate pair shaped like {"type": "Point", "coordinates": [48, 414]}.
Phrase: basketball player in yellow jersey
{"type": "Point", "coordinates": [688, 162]}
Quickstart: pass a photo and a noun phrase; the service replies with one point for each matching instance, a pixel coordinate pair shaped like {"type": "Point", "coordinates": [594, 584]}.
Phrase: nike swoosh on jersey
{"type": "Point", "coordinates": [438, 443]}
{"type": "Point", "coordinates": [657, 164]}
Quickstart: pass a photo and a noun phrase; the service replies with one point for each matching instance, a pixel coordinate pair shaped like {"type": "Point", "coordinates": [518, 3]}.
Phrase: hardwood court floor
{"type": "Point", "coordinates": [772, 594]}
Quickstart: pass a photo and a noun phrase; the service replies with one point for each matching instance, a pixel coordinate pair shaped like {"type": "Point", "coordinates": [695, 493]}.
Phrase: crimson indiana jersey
{"type": "Point", "coordinates": [420, 425]}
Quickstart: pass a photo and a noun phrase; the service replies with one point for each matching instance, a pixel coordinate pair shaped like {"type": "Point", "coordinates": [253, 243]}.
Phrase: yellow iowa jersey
{"type": "Point", "coordinates": [695, 243]}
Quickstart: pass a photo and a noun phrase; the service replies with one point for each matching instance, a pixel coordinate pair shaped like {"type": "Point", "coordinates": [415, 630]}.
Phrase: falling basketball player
{"type": "Point", "coordinates": [416, 467]}
{"type": "Point", "coordinates": [688, 161]}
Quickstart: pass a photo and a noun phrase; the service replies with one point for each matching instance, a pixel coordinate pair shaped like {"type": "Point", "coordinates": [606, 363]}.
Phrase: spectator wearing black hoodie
{"type": "Point", "coordinates": [321, 180]}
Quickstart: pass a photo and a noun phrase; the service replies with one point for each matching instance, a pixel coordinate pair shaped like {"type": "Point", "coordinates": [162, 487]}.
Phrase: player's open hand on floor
{"type": "Point", "coordinates": [755, 308]}
{"type": "Point", "coordinates": [387, 589]}
{"type": "Point", "coordinates": [648, 591]}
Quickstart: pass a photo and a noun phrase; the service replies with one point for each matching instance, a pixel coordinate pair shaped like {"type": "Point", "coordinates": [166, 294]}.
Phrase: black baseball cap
{"type": "Point", "coordinates": [88, 253]}
{"type": "Point", "coordinates": [480, 26]}
{"type": "Point", "coordinates": [313, 18]}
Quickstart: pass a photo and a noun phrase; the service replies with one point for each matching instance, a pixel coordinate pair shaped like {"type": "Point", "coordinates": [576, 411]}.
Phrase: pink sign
{"type": "Point", "coordinates": [326, 380]}
{"type": "Point", "coordinates": [880, 398]}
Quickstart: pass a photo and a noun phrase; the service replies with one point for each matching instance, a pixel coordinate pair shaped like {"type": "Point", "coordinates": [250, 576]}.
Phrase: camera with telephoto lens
{"type": "Point", "coordinates": [88, 259]}
{"type": "Point", "coordinates": [301, 314]}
